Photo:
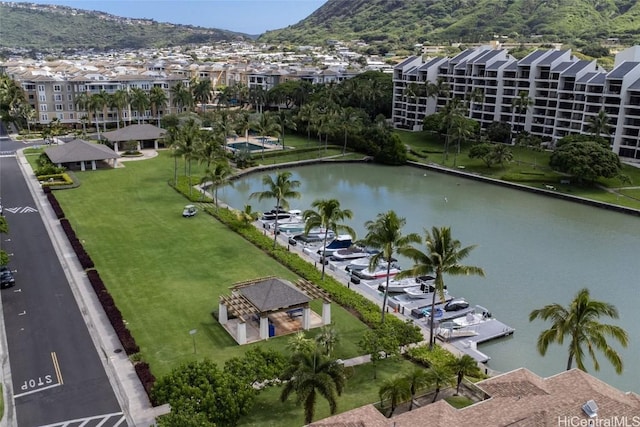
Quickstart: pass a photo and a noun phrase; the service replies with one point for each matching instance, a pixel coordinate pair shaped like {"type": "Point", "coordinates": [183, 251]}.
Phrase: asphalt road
{"type": "Point", "coordinates": [56, 372]}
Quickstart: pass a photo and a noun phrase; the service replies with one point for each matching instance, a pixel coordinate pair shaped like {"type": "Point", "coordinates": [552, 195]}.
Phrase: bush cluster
{"type": "Point", "coordinates": [113, 314]}
{"type": "Point", "coordinates": [436, 356]}
{"type": "Point", "coordinates": [85, 260]}
{"type": "Point", "coordinates": [57, 209]}
{"type": "Point", "coordinates": [146, 378]}
{"type": "Point", "coordinates": [53, 180]}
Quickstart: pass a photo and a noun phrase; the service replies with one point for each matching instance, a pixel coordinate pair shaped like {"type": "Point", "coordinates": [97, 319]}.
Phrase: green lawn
{"type": "Point", "coordinates": [166, 272]}
{"type": "Point", "coordinates": [361, 389]}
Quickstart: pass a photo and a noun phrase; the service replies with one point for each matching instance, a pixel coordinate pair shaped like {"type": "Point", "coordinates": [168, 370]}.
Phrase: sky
{"type": "Point", "coordinates": [244, 16]}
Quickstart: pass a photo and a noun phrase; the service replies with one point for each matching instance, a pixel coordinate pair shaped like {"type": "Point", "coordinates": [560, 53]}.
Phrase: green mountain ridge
{"type": "Point", "coordinates": [44, 27]}
{"type": "Point", "coordinates": [402, 23]}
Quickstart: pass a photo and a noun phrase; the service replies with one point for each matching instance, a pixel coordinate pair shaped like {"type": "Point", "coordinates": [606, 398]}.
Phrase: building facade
{"type": "Point", "coordinates": [549, 93]}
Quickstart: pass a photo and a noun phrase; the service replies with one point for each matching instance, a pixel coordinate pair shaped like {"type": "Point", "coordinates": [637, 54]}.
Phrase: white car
{"type": "Point", "coordinates": [189, 210]}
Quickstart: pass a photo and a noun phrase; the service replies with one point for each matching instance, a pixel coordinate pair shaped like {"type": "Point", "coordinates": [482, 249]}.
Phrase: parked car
{"type": "Point", "coordinates": [6, 277]}
{"type": "Point", "coordinates": [189, 211]}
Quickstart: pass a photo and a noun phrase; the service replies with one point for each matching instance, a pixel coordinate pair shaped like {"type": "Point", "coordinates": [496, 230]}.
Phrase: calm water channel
{"type": "Point", "coordinates": [535, 250]}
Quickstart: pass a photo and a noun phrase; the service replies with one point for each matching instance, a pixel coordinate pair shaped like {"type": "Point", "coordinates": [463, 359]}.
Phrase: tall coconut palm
{"type": "Point", "coordinates": [385, 234]}
{"type": "Point", "coordinates": [520, 106]}
{"type": "Point", "coordinates": [139, 100]}
{"type": "Point", "coordinates": [461, 366]}
{"type": "Point", "coordinates": [281, 189]}
{"type": "Point", "coordinates": [157, 99]}
{"type": "Point", "coordinates": [451, 118]}
{"type": "Point", "coordinates": [181, 96]}
{"type": "Point", "coordinates": [266, 126]}
{"type": "Point", "coordinates": [306, 114]}
{"type": "Point", "coordinates": [202, 93]}
{"type": "Point", "coordinates": [418, 379]}
{"type": "Point", "coordinates": [327, 214]}
{"type": "Point", "coordinates": [396, 390]}
{"type": "Point", "coordinates": [310, 375]}
{"type": "Point", "coordinates": [246, 216]}
{"type": "Point", "coordinates": [443, 256]}
{"type": "Point", "coordinates": [189, 139]}
{"type": "Point", "coordinates": [349, 119]}
{"type": "Point", "coordinates": [210, 150]}
{"type": "Point", "coordinates": [119, 101]}
{"type": "Point", "coordinates": [225, 125]}
{"type": "Point", "coordinates": [96, 102]}
{"type": "Point", "coordinates": [104, 100]}
{"type": "Point", "coordinates": [220, 176]}
{"type": "Point", "coordinates": [285, 119]}
{"type": "Point", "coordinates": [83, 103]}
{"type": "Point", "coordinates": [579, 321]}
{"type": "Point", "coordinates": [172, 141]}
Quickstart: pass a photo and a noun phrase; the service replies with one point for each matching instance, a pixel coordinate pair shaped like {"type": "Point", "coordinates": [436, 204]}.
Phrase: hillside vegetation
{"type": "Point", "coordinates": [41, 27]}
{"type": "Point", "coordinates": [402, 23]}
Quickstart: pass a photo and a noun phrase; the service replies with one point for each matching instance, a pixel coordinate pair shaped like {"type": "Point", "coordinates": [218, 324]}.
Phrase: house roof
{"type": "Point", "coordinates": [273, 294]}
{"type": "Point", "coordinates": [135, 133]}
{"type": "Point", "coordinates": [517, 398]}
{"type": "Point", "coordinates": [79, 150]}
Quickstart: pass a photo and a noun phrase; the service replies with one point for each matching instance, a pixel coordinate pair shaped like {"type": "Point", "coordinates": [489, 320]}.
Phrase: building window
{"type": "Point", "coordinates": [43, 107]}
{"type": "Point", "coordinates": [44, 117]}
{"type": "Point", "coordinates": [42, 97]}
{"type": "Point", "coordinates": [40, 88]}
{"type": "Point", "coordinates": [69, 97]}
{"type": "Point", "coordinates": [61, 116]}
{"type": "Point", "coordinates": [68, 88]}
{"type": "Point", "coordinates": [59, 107]}
{"type": "Point", "coordinates": [57, 97]}
{"type": "Point", "coordinates": [70, 107]}
{"type": "Point", "coordinates": [145, 86]}
{"type": "Point", "coordinates": [57, 88]}
{"type": "Point", "coordinates": [71, 116]}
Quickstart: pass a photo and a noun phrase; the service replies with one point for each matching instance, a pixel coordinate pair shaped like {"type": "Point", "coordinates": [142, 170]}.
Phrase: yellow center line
{"type": "Point", "coordinates": [56, 367]}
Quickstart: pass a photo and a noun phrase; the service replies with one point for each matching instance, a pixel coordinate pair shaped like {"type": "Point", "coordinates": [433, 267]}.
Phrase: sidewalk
{"type": "Point", "coordinates": [121, 372]}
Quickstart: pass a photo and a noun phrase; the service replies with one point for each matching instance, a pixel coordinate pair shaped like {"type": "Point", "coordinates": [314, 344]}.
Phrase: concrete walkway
{"type": "Point", "coordinates": [120, 370]}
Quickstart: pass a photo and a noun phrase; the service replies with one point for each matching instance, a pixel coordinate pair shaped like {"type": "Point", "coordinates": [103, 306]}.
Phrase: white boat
{"type": "Point", "coordinates": [399, 285]}
{"type": "Point", "coordinates": [291, 227]}
{"type": "Point", "coordinates": [293, 220]}
{"type": "Point", "coordinates": [362, 263]}
{"type": "Point", "coordinates": [341, 241]}
{"type": "Point", "coordinates": [280, 214]}
{"type": "Point", "coordinates": [380, 272]}
{"type": "Point", "coordinates": [315, 235]}
{"type": "Point", "coordinates": [478, 316]}
{"type": "Point", "coordinates": [351, 253]}
{"type": "Point", "coordinates": [425, 291]}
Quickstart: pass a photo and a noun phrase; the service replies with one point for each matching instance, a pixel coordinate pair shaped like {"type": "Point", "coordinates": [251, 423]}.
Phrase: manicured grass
{"type": "Point", "coordinates": [166, 272]}
{"type": "Point", "coordinates": [526, 162]}
{"type": "Point", "coordinates": [361, 389]}
{"type": "Point", "coordinates": [459, 402]}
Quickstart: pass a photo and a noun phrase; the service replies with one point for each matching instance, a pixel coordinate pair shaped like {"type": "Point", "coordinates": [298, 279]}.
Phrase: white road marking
{"type": "Point", "coordinates": [37, 390]}
{"type": "Point", "coordinates": [21, 209]}
{"type": "Point", "coordinates": [84, 421]}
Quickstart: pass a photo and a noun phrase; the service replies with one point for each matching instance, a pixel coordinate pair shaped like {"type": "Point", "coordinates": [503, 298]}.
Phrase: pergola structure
{"type": "Point", "coordinates": [274, 304]}
{"type": "Point", "coordinates": [140, 133]}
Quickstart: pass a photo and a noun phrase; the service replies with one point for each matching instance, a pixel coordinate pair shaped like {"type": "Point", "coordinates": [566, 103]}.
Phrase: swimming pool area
{"type": "Point", "coordinates": [244, 146]}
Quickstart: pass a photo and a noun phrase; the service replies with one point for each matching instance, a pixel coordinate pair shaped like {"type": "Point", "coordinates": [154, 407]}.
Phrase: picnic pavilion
{"type": "Point", "coordinates": [261, 308]}
{"type": "Point", "coordinates": [78, 154]}
{"type": "Point", "coordinates": [145, 135]}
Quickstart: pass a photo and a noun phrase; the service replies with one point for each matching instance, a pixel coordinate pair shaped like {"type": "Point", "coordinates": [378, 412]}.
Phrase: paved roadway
{"type": "Point", "coordinates": [57, 375]}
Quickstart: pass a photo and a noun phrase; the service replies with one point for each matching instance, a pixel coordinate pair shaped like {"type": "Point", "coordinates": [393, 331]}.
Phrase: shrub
{"type": "Point", "coordinates": [146, 377]}
{"type": "Point", "coordinates": [436, 356]}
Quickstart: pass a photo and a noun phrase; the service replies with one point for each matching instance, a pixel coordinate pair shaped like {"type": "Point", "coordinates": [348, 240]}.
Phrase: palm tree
{"type": "Point", "coordinates": [286, 121]}
{"type": "Point", "coordinates": [181, 96]}
{"type": "Point", "coordinates": [202, 93]}
{"type": "Point", "coordinates": [220, 176]}
{"type": "Point", "coordinates": [328, 215]}
{"type": "Point", "coordinates": [299, 343]}
{"type": "Point", "coordinates": [210, 150]}
{"type": "Point", "coordinates": [461, 130]}
{"type": "Point", "coordinates": [520, 106]}
{"type": "Point", "coordinates": [579, 322]}
{"type": "Point", "coordinates": [306, 113]}
{"type": "Point", "coordinates": [461, 366]}
{"type": "Point", "coordinates": [104, 100]}
{"type": "Point", "coordinates": [139, 102]}
{"type": "Point", "coordinates": [246, 216]}
{"type": "Point", "coordinates": [348, 119]}
{"type": "Point", "coordinates": [83, 102]}
{"type": "Point", "coordinates": [451, 117]}
{"type": "Point", "coordinates": [501, 154]}
{"type": "Point", "coordinates": [189, 138]}
{"type": "Point", "coordinates": [267, 126]}
{"type": "Point", "coordinates": [157, 99]}
{"type": "Point", "coordinates": [172, 141]}
{"type": "Point", "coordinates": [310, 374]}
{"type": "Point", "coordinates": [327, 339]}
{"type": "Point", "coordinates": [442, 257]}
{"type": "Point", "coordinates": [438, 375]}
{"type": "Point", "coordinates": [120, 100]}
{"type": "Point", "coordinates": [417, 379]}
{"type": "Point", "coordinates": [396, 390]}
{"type": "Point", "coordinates": [599, 125]}
{"type": "Point", "coordinates": [95, 104]}
{"type": "Point", "coordinates": [385, 234]}
{"type": "Point", "coordinates": [281, 189]}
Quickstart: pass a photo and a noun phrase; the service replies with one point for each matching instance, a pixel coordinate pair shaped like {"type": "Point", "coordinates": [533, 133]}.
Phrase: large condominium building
{"type": "Point", "coordinates": [563, 93]}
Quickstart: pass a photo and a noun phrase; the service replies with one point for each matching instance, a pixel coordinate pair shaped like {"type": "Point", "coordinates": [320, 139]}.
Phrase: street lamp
{"type": "Point", "coordinates": [193, 336]}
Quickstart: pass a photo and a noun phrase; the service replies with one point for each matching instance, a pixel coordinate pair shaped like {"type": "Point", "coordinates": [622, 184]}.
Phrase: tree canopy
{"type": "Point", "coordinates": [586, 160]}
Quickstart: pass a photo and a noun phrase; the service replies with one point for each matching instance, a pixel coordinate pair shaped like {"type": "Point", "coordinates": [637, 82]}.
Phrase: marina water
{"type": "Point", "coordinates": [535, 250]}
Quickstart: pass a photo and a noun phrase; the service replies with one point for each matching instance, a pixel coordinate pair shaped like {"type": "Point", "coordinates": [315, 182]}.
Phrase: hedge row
{"type": "Point", "coordinates": [146, 377]}
{"type": "Point", "coordinates": [113, 314]}
{"type": "Point", "coordinates": [364, 309]}
{"type": "Point", "coordinates": [437, 356]}
{"type": "Point", "coordinates": [85, 260]}
{"type": "Point", "coordinates": [56, 180]}
{"type": "Point", "coordinates": [57, 209]}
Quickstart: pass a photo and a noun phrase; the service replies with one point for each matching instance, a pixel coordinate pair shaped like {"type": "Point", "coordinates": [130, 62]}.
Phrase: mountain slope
{"type": "Point", "coordinates": [405, 22]}
{"type": "Point", "coordinates": [40, 27]}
